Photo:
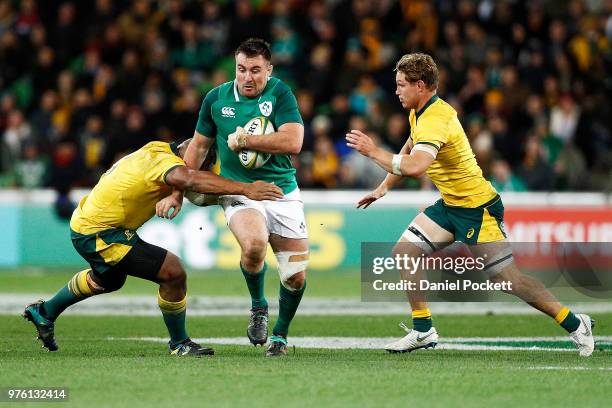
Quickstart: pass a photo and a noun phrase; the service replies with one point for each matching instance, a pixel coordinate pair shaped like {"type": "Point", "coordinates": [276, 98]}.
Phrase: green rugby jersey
{"type": "Point", "coordinates": [223, 109]}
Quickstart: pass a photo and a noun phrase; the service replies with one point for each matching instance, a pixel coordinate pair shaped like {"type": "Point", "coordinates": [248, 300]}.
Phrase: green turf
{"type": "Point", "coordinates": [103, 372]}
{"type": "Point", "coordinates": [338, 283]}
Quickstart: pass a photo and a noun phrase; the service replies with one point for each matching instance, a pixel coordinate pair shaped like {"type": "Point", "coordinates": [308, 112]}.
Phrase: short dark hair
{"type": "Point", "coordinates": [254, 47]}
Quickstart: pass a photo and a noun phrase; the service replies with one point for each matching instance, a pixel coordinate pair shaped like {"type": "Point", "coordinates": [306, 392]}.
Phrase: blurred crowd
{"type": "Point", "coordinates": [84, 82]}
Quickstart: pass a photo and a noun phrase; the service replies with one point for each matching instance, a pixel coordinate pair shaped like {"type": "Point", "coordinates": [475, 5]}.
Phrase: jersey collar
{"type": "Point", "coordinates": [429, 102]}
{"type": "Point", "coordinates": [238, 97]}
{"type": "Point", "coordinates": [174, 148]}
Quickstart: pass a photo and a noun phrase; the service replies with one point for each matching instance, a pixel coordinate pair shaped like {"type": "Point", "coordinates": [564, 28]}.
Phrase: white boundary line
{"type": "Point", "coordinates": [351, 197]}
{"type": "Point", "coordinates": [374, 343]}
{"type": "Point", "coordinates": [569, 368]}
{"type": "Point", "coordinates": [144, 305]}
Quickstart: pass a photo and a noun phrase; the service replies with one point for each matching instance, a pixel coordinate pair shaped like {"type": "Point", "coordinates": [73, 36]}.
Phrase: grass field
{"type": "Point", "coordinates": [121, 361]}
{"type": "Point", "coordinates": [339, 283]}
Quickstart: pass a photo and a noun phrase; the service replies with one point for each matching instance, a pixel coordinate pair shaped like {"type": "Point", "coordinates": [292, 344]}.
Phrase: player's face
{"type": "Point", "coordinates": [407, 92]}
{"type": "Point", "coordinates": [252, 74]}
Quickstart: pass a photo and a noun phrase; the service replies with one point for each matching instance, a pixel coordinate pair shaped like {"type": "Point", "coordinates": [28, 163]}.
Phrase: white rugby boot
{"type": "Point", "coordinates": [583, 335]}
{"type": "Point", "coordinates": [414, 340]}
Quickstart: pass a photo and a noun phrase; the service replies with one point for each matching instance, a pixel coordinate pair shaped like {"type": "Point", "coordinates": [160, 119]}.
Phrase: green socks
{"type": "Point", "coordinates": [76, 290]}
{"type": "Point", "coordinates": [421, 320]}
{"type": "Point", "coordinates": [567, 320]}
{"type": "Point", "coordinates": [255, 283]}
{"type": "Point", "coordinates": [288, 302]}
{"type": "Point", "coordinates": [174, 317]}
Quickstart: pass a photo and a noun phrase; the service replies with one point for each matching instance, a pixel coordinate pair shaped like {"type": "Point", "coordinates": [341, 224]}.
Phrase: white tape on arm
{"type": "Point", "coordinates": [427, 149]}
{"type": "Point", "coordinates": [396, 164]}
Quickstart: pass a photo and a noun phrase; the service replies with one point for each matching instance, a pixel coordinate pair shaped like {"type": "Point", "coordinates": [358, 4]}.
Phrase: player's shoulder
{"type": "Point", "coordinates": [441, 108]}
{"type": "Point", "coordinates": [223, 91]}
{"type": "Point", "coordinates": [435, 113]}
{"type": "Point", "coordinates": [277, 87]}
{"type": "Point", "coordinates": [156, 146]}
{"type": "Point", "coordinates": [155, 151]}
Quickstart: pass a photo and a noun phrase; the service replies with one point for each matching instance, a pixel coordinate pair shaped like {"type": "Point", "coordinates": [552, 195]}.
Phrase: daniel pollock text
{"type": "Point", "coordinates": [423, 284]}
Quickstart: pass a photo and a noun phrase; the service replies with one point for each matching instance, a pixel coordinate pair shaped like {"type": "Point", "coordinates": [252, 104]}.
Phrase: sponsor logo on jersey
{"type": "Point", "coordinates": [265, 108]}
{"type": "Point", "coordinates": [228, 112]}
{"type": "Point", "coordinates": [236, 203]}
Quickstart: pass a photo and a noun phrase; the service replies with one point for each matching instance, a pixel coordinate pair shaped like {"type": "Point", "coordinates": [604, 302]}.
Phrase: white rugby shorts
{"type": "Point", "coordinates": [284, 217]}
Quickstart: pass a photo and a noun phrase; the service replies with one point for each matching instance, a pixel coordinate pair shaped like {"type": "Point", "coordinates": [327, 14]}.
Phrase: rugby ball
{"type": "Point", "coordinates": [201, 200]}
{"type": "Point", "coordinates": [256, 126]}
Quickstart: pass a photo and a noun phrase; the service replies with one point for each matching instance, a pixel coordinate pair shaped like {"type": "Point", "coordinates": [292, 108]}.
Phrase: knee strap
{"type": "Point", "coordinates": [498, 262]}
{"type": "Point", "coordinates": [290, 263]}
{"type": "Point", "coordinates": [417, 236]}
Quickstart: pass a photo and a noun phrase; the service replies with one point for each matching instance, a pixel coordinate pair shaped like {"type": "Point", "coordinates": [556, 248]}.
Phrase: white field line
{"type": "Point", "coordinates": [569, 368]}
{"type": "Point", "coordinates": [144, 305]}
{"type": "Point", "coordinates": [369, 343]}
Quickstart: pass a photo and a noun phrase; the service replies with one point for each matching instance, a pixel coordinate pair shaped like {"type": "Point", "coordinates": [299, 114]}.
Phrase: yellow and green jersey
{"type": "Point", "coordinates": [126, 194]}
{"type": "Point", "coordinates": [455, 171]}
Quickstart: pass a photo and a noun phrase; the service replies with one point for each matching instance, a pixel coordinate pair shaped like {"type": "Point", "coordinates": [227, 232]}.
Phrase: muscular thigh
{"type": "Point", "coordinates": [279, 244]}
{"type": "Point", "coordinates": [499, 262]}
{"type": "Point", "coordinates": [249, 225]}
{"type": "Point", "coordinates": [424, 234]}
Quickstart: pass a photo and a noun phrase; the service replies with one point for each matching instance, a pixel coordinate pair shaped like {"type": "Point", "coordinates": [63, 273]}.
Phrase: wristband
{"type": "Point", "coordinates": [241, 140]}
{"type": "Point", "coordinates": [396, 164]}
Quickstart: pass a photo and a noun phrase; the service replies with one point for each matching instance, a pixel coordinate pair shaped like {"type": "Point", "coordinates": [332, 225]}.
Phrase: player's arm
{"type": "Point", "coordinates": [289, 135]}
{"type": "Point", "coordinates": [392, 179]}
{"type": "Point", "coordinates": [389, 181]}
{"type": "Point", "coordinates": [194, 157]}
{"type": "Point", "coordinates": [197, 150]}
{"type": "Point", "coordinates": [287, 139]}
{"type": "Point", "coordinates": [207, 182]}
{"type": "Point", "coordinates": [414, 165]}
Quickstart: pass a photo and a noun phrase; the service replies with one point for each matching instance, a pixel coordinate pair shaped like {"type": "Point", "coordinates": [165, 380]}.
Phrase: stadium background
{"type": "Point", "coordinates": [84, 82]}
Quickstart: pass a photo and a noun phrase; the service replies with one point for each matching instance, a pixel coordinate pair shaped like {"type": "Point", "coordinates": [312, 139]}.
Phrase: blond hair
{"type": "Point", "coordinates": [419, 67]}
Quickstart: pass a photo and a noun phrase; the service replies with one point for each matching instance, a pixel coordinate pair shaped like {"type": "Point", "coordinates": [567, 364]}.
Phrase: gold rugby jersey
{"type": "Point", "coordinates": [126, 194]}
{"type": "Point", "coordinates": [454, 171]}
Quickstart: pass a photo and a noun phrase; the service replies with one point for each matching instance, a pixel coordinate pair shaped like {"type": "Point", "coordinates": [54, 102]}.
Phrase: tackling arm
{"type": "Point", "coordinates": [207, 182]}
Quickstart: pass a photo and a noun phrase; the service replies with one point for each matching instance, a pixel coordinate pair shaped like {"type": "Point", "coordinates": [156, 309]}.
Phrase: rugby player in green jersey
{"type": "Point", "coordinates": [225, 111]}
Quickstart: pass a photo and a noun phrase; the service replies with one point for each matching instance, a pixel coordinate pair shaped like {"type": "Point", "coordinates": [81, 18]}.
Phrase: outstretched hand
{"type": "Point", "coordinates": [371, 197]}
{"type": "Point", "coordinates": [361, 142]}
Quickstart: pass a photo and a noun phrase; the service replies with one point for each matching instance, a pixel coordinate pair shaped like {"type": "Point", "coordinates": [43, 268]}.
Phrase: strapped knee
{"type": "Point", "coordinates": [496, 264]}
{"type": "Point", "coordinates": [419, 237]}
{"type": "Point", "coordinates": [291, 263]}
